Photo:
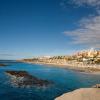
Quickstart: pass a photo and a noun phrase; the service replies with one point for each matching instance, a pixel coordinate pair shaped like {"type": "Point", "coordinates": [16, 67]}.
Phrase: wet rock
{"type": "Point", "coordinates": [2, 65]}
{"type": "Point", "coordinates": [24, 79]}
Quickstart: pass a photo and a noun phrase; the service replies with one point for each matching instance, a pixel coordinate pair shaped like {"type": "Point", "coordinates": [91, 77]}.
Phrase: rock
{"type": "Point", "coordinates": [96, 86]}
{"type": "Point", "coordinates": [24, 79]}
{"type": "Point", "coordinates": [81, 94]}
{"type": "Point", "coordinates": [3, 65]}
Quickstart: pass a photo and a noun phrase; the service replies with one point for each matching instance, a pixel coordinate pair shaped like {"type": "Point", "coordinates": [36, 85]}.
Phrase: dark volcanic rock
{"type": "Point", "coordinates": [24, 79]}
{"type": "Point", "coordinates": [3, 65]}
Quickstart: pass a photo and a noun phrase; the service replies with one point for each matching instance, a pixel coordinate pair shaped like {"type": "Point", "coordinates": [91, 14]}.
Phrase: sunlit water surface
{"type": "Point", "coordinates": [64, 80]}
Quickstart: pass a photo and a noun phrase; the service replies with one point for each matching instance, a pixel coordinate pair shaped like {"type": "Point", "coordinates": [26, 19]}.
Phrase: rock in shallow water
{"type": "Point", "coordinates": [24, 79]}
{"type": "Point", "coordinates": [2, 65]}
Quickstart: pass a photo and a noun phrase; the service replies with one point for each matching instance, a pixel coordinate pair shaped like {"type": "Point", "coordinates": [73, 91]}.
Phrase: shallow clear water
{"type": "Point", "coordinates": [64, 81]}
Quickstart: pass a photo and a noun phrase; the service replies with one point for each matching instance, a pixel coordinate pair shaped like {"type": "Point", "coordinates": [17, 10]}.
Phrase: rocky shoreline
{"type": "Point", "coordinates": [81, 94]}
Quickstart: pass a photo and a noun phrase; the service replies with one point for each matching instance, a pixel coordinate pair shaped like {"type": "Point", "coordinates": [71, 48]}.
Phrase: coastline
{"type": "Point", "coordinates": [81, 94]}
{"type": "Point", "coordinates": [80, 68]}
{"type": "Point", "coordinates": [77, 94]}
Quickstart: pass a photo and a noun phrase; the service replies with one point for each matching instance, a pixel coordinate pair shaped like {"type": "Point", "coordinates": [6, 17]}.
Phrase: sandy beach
{"type": "Point", "coordinates": [89, 69]}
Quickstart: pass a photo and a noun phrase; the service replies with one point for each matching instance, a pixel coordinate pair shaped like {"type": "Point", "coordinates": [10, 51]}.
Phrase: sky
{"type": "Point", "coordinates": [30, 28]}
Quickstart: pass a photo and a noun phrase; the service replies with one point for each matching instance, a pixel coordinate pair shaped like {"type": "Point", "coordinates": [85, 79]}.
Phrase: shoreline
{"type": "Point", "coordinates": [81, 94]}
{"type": "Point", "coordinates": [83, 69]}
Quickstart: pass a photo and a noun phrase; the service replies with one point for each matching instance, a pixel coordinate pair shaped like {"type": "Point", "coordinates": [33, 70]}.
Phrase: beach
{"type": "Point", "coordinates": [87, 68]}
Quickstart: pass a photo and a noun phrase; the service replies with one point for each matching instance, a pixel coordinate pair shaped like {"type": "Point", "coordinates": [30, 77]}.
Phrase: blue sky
{"type": "Point", "coordinates": [47, 27]}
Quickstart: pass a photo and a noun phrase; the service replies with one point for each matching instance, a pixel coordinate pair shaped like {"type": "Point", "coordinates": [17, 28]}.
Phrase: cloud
{"type": "Point", "coordinates": [79, 3]}
{"type": "Point", "coordinates": [88, 33]}
{"type": "Point", "coordinates": [88, 3]}
{"type": "Point", "coordinates": [94, 3]}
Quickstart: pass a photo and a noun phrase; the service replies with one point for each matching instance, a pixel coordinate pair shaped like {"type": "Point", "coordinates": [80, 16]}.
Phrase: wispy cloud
{"type": "Point", "coordinates": [87, 2]}
{"type": "Point", "coordinates": [88, 34]}
{"type": "Point", "coordinates": [77, 3]}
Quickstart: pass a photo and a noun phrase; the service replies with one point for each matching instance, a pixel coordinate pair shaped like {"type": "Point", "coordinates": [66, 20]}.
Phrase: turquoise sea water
{"type": "Point", "coordinates": [64, 81]}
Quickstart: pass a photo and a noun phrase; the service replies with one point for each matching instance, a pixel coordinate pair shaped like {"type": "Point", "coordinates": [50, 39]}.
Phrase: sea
{"type": "Point", "coordinates": [64, 80]}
